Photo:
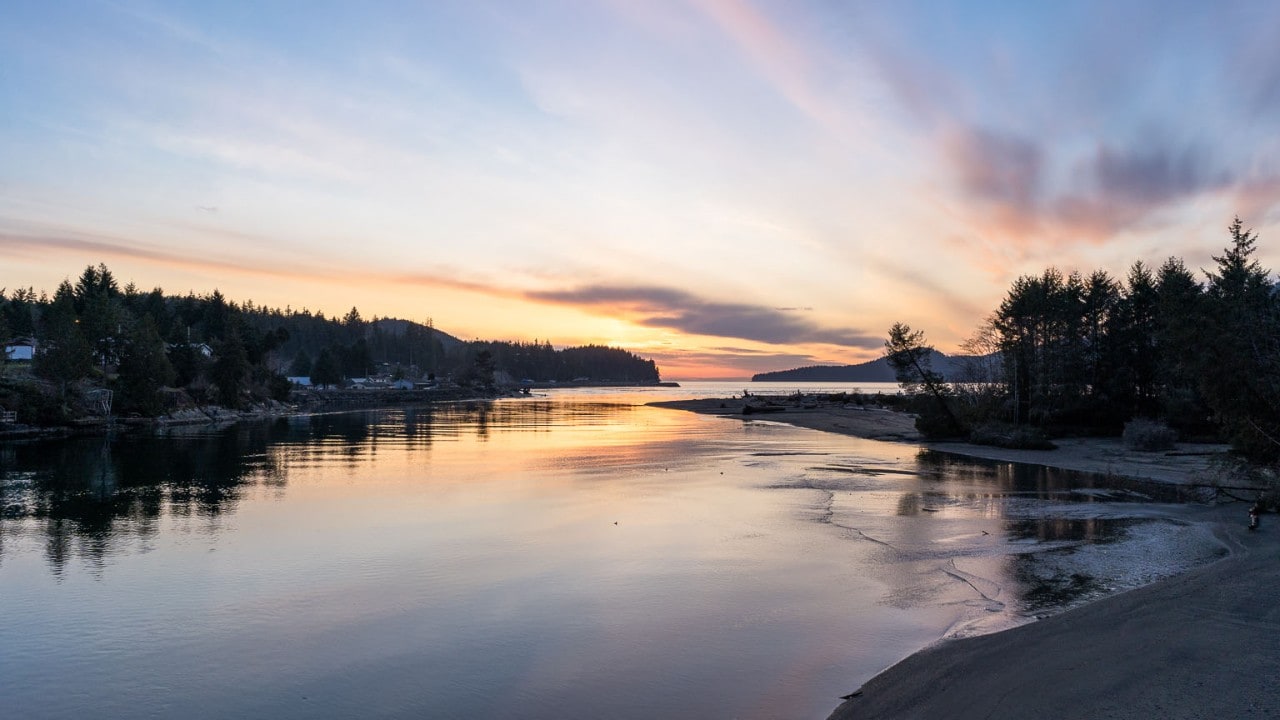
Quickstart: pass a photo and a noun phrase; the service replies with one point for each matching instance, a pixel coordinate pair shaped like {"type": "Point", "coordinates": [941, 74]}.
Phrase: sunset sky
{"type": "Point", "coordinates": [726, 186]}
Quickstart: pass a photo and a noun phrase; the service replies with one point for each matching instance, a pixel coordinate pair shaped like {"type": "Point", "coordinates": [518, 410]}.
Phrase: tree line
{"type": "Point", "coordinates": [149, 347]}
{"type": "Point", "coordinates": [1086, 354]}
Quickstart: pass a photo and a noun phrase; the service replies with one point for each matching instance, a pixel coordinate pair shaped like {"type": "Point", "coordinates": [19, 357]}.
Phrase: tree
{"type": "Point", "coordinates": [326, 370]}
{"type": "Point", "coordinates": [4, 333]}
{"type": "Point", "coordinates": [63, 356]}
{"type": "Point", "coordinates": [356, 359]}
{"type": "Point", "coordinates": [144, 370]}
{"type": "Point", "coordinates": [1136, 340]}
{"type": "Point", "coordinates": [301, 365]}
{"type": "Point", "coordinates": [483, 368]}
{"type": "Point", "coordinates": [354, 325]}
{"type": "Point", "coordinates": [188, 362]}
{"type": "Point", "coordinates": [98, 305]}
{"type": "Point", "coordinates": [911, 360]}
{"type": "Point", "coordinates": [1240, 362]}
{"type": "Point", "coordinates": [19, 312]}
{"type": "Point", "coordinates": [1178, 328]}
{"type": "Point", "coordinates": [230, 370]}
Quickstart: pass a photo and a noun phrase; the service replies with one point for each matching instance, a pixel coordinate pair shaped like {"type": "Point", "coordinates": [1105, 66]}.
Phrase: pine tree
{"type": "Point", "coordinates": [1239, 364]}
{"type": "Point", "coordinates": [230, 370]}
{"type": "Point", "coordinates": [62, 356]}
{"type": "Point", "coordinates": [144, 370]}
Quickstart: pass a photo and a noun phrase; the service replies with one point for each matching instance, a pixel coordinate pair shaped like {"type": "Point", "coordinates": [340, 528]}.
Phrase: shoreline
{"type": "Point", "coordinates": [1199, 644]}
{"type": "Point", "coordinates": [1191, 464]}
{"type": "Point", "coordinates": [301, 403]}
{"type": "Point", "coordinates": [1202, 643]}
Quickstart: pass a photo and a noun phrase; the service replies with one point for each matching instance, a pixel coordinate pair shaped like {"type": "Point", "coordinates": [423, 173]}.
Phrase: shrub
{"type": "Point", "coordinates": [1149, 435]}
{"type": "Point", "coordinates": [1016, 437]}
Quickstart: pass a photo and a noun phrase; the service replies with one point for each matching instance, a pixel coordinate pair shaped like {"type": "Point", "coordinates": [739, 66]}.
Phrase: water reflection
{"type": "Point", "coordinates": [514, 559]}
{"type": "Point", "coordinates": [1019, 539]}
{"type": "Point", "coordinates": [88, 495]}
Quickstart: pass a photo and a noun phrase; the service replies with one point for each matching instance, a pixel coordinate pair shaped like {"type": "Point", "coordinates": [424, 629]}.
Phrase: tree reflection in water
{"type": "Point", "coordinates": [88, 496]}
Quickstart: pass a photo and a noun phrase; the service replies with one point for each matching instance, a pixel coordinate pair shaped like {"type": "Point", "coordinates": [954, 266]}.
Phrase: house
{"type": "Point", "coordinates": [299, 380]}
{"type": "Point", "coordinates": [202, 348]}
{"type": "Point", "coordinates": [20, 350]}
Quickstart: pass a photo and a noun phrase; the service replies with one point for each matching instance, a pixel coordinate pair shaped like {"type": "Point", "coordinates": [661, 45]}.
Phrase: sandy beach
{"type": "Point", "coordinates": [1204, 644]}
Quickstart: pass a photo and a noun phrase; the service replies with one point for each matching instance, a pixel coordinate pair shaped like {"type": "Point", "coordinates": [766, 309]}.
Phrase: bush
{"type": "Point", "coordinates": [1015, 437]}
{"type": "Point", "coordinates": [1149, 435]}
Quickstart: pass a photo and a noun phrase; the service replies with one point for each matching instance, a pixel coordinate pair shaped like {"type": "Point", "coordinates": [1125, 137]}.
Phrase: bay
{"type": "Point", "coordinates": [569, 555]}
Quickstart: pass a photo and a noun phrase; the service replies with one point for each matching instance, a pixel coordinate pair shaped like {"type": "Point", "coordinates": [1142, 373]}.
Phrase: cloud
{"type": "Point", "coordinates": [101, 247]}
{"type": "Point", "coordinates": [995, 167]}
{"type": "Point", "coordinates": [1257, 199]}
{"type": "Point", "coordinates": [679, 310]}
{"type": "Point", "coordinates": [1154, 175]}
{"type": "Point", "coordinates": [654, 307]}
{"type": "Point", "coordinates": [787, 63]}
{"type": "Point", "coordinates": [726, 362]}
{"type": "Point", "coordinates": [1006, 181]}
{"type": "Point", "coordinates": [1122, 187]}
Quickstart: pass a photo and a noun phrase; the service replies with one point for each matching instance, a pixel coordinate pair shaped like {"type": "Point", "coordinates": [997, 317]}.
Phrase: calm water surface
{"type": "Point", "coordinates": [574, 555]}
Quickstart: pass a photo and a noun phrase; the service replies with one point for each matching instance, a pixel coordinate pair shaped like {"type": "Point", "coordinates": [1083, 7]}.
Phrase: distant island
{"type": "Point", "coordinates": [868, 372]}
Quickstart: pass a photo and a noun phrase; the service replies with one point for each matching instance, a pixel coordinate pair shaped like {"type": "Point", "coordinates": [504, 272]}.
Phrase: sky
{"type": "Point", "coordinates": [725, 186]}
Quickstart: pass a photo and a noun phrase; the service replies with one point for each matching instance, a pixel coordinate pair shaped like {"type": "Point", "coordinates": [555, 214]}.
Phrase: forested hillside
{"type": "Point", "coordinates": [153, 349]}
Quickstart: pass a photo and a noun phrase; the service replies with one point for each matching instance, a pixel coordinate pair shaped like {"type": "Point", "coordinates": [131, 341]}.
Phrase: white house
{"type": "Point", "coordinates": [20, 350]}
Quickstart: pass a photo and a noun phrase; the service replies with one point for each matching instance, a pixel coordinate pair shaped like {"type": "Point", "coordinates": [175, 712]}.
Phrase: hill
{"type": "Point", "coordinates": [872, 371]}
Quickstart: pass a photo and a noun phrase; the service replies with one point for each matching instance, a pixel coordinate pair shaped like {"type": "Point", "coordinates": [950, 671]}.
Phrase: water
{"type": "Point", "coordinates": [566, 556]}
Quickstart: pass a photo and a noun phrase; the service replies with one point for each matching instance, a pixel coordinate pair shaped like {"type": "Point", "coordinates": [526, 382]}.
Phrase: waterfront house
{"type": "Point", "coordinates": [20, 350]}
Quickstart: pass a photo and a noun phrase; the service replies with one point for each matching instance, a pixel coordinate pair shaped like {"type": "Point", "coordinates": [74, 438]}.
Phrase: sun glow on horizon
{"type": "Point", "coordinates": [727, 186]}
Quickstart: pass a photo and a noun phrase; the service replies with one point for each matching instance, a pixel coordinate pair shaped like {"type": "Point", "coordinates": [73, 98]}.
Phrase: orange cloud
{"type": "Point", "coordinates": [661, 307]}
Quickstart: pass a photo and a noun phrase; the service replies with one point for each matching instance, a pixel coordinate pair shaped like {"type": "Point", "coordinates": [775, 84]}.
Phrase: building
{"type": "Point", "coordinates": [20, 350]}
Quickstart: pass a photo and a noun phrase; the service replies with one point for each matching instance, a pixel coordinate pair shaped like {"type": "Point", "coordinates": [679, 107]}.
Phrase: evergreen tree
{"type": "Point", "coordinates": [62, 356]}
{"type": "Point", "coordinates": [4, 332]}
{"type": "Point", "coordinates": [1239, 371]}
{"type": "Point", "coordinates": [301, 365]}
{"type": "Point", "coordinates": [326, 370]}
{"type": "Point", "coordinates": [1136, 342]}
{"type": "Point", "coordinates": [1179, 322]}
{"type": "Point", "coordinates": [482, 369]}
{"type": "Point", "coordinates": [356, 359]}
{"type": "Point", "coordinates": [230, 370]}
{"type": "Point", "coordinates": [144, 370]}
{"type": "Point", "coordinates": [20, 313]}
{"type": "Point", "coordinates": [98, 305]}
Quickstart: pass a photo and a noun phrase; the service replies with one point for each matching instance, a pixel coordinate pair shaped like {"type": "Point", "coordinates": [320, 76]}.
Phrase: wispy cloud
{"type": "Point", "coordinates": [726, 362]}
{"type": "Point", "coordinates": [97, 247]}
{"type": "Point", "coordinates": [777, 56]}
{"type": "Point", "coordinates": [647, 306]}
{"type": "Point", "coordinates": [668, 308]}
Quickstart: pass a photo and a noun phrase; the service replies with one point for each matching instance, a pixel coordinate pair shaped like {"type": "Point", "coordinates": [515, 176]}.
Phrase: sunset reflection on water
{"type": "Point", "coordinates": [562, 556]}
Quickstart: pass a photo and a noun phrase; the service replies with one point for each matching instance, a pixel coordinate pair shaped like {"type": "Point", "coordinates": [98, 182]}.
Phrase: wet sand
{"type": "Point", "coordinates": [1204, 644]}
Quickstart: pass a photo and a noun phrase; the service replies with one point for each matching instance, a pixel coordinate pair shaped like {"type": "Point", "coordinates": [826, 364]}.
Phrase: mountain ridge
{"type": "Point", "coordinates": [877, 370]}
